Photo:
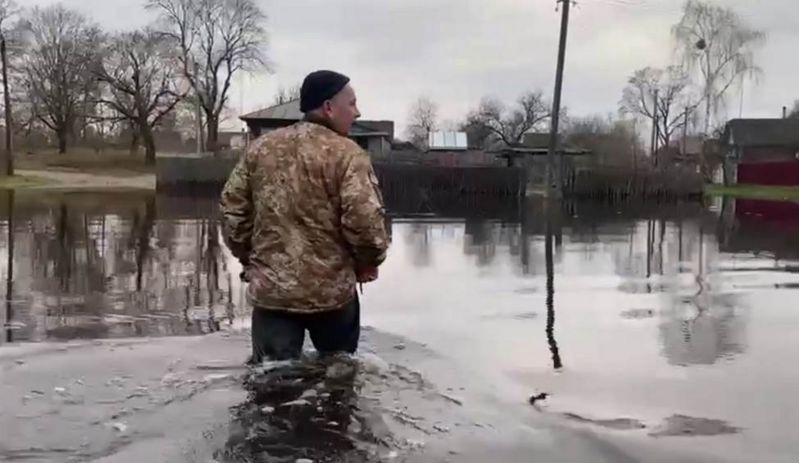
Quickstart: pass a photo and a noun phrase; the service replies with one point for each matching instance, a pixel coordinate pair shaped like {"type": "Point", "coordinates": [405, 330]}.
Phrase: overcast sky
{"type": "Point", "coordinates": [456, 51]}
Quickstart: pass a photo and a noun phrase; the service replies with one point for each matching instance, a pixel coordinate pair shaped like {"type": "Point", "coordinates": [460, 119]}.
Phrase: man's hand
{"type": "Point", "coordinates": [245, 274]}
{"type": "Point", "coordinates": [366, 274]}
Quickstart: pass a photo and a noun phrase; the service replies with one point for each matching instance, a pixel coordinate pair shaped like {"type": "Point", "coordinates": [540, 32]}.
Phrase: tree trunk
{"type": "Point", "coordinates": [134, 142]}
{"type": "Point", "coordinates": [61, 134]}
{"type": "Point", "coordinates": [213, 133]}
{"type": "Point", "coordinates": [149, 145]}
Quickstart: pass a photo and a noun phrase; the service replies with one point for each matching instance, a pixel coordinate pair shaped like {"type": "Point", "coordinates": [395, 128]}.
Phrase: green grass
{"type": "Point", "coordinates": [17, 182]}
{"type": "Point", "coordinates": [775, 193]}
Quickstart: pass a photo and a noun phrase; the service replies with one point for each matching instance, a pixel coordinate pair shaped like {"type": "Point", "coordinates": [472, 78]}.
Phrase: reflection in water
{"type": "Point", "coordinates": [701, 337]}
{"type": "Point", "coordinates": [10, 267]}
{"type": "Point", "coordinates": [553, 345]}
{"type": "Point", "coordinates": [480, 241]}
{"type": "Point", "coordinates": [419, 240]}
{"type": "Point", "coordinates": [113, 265]}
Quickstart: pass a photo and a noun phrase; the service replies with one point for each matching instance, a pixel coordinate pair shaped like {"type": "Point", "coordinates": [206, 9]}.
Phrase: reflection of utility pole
{"type": "Point", "coordinates": [8, 168]}
{"type": "Point", "coordinates": [10, 271]}
{"type": "Point", "coordinates": [553, 185]}
{"type": "Point", "coordinates": [553, 344]}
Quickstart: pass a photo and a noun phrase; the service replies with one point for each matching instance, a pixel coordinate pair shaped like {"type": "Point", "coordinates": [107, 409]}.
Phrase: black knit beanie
{"type": "Point", "coordinates": [320, 86]}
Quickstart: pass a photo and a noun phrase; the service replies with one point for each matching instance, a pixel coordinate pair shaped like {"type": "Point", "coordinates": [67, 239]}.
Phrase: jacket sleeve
{"type": "Point", "coordinates": [363, 213]}
{"type": "Point", "coordinates": [237, 209]}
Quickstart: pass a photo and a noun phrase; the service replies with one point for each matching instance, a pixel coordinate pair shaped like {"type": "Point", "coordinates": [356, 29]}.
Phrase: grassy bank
{"type": "Point", "coordinates": [774, 193]}
{"type": "Point", "coordinates": [18, 182]}
{"type": "Point", "coordinates": [110, 162]}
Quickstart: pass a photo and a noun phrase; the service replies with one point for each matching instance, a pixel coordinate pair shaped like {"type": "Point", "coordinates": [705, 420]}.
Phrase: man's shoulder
{"type": "Point", "coordinates": [321, 138]}
{"type": "Point", "coordinates": [330, 139]}
{"type": "Point", "coordinates": [277, 136]}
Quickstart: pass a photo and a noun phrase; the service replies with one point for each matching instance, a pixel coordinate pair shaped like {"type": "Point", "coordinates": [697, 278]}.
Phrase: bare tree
{"type": "Point", "coordinates": [8, 10]}
{"type": "Point", "coordinates": [509, 126]}
{"type": "Point", "coordinates": [216, 39]}
{"type": "Point", "coordinates": [58, 67]}
{"type": "Point", "coordinates": [715, 41]}
{"type": "Point", "coordinates": [612, 141]}
{"type": "Point", "coordinates": [286, 94]}
{"type": "Point", "coordinates": [142, 78]}
{"type": "Point", "coordinates": [422, 119]}
{"type": "Point", "coordinates": [794, 114]}
{"type": "Point", "coordinates": [478, 136]}
{"type": "Point", "coordinates": [673, 98]}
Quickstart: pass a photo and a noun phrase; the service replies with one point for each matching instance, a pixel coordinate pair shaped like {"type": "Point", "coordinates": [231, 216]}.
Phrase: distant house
{"type": "Point", "coordinates": [447, 141]}
{"type": "Point", "coordinates": [373, 136]}
{"type": "Point", "coordinates": [231, 140]}
{"type": "Point", "coordinates": [682, 151]}
{"type": "Point", "coordinates": [536, 141]}
{"type": "Point", "coordinates": [534, 145]}
{"type": "Point", "coordinates": [762, 151]}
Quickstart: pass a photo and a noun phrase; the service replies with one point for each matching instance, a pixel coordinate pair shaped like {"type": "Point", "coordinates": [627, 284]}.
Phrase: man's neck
{"type": "Point", "coordinates": [315, 119]}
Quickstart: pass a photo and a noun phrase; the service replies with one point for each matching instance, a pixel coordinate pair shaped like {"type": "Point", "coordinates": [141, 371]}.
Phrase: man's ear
{"type": "Point", "coordinates": [327, 107]}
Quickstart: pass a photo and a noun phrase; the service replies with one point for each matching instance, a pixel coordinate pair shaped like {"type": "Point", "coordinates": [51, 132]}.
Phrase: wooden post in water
{"type": "Point", "coordinates": [553, 186]}
{"type": "Point", "coordinates": [197, 113]}
{"type": "Point", "coordinates": [655, 130]}
{"type": "Point", "coordinates": [8, 168]}
{"type": "Point", "coordinates": [685, 133]}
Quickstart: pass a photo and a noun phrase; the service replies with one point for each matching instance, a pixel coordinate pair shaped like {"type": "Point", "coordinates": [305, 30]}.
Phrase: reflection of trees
{"type": "Point", "coordinates": [480, 240]}
{"type": "Point", "coordinates": [419, 244]}
{"type": "Point", "coordinates": [701, 330]}
{"type": "Point", "coordinates": [113, 267]}
{"type": "Point", "coordinates": [699, 325]}
{"type": "Point", "coordinates": [142, 229]}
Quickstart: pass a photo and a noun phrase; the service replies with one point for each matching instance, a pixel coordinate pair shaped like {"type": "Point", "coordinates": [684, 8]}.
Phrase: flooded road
{"type": "Point", "coordinates": [652, 325]}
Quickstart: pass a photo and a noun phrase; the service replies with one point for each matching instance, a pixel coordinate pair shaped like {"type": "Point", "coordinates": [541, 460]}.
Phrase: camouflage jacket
{"type": "Point", "coordinates": [302, 209]}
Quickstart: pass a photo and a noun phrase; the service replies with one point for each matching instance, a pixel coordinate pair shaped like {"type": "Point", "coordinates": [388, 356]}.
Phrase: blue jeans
{"type": "Point", "coordinates": [279, 335]}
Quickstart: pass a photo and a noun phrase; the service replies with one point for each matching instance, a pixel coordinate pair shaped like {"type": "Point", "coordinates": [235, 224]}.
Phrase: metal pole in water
{"type": "Point", "coordinates": [198, 113]}
{"type": "Point", "coordinates": [9, 164]}
{"type": "Point", "coordinates": [553, 186]}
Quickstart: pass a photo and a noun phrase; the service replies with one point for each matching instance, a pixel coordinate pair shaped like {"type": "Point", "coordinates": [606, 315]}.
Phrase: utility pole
{"type": "Point", "coordinates": [197, 114]}
{"type": "Point", "coordinates": [685, 133]}
{"type": "Point", "coordinates": [655, 130]}
{"type": "Point", "coordinates": [553, 180]}
{"type": "Point", "coordinates": [8, 168]}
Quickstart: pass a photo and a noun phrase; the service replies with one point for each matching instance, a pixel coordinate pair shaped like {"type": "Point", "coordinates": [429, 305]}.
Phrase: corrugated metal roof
{"type": "Point", "coordinates": [762, 132]}
{"type": "Point", "coordinates": [447, 141]}
{"type": "Point", "coordinates": [287, 111]}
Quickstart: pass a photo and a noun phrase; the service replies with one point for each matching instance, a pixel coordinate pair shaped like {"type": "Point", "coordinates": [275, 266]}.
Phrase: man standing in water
{"type": "Point", "coordinates": [304, 215]}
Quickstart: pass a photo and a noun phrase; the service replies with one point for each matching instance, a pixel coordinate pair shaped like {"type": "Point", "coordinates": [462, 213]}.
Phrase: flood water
{"type": "Point", "coordinates": [652, 313]}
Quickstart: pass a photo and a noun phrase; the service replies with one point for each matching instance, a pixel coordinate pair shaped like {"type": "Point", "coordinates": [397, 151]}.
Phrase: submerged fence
{"type": "Point", "coordinates": [616, 184]}
{"type": "Point", "coordinates": [498, 181]}
{"type": "Point", "coordinates": [581, 180]}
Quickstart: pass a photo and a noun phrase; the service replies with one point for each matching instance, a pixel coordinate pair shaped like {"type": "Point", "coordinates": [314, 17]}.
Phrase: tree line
{"type": "Point", "coordinates": [66, 74]}
{"type": "Point", "coordinates": [714, 51]}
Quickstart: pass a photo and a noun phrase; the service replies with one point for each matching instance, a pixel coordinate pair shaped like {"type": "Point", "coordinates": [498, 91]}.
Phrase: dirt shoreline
{"type": "Point", "coordinates": [67, 180]}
